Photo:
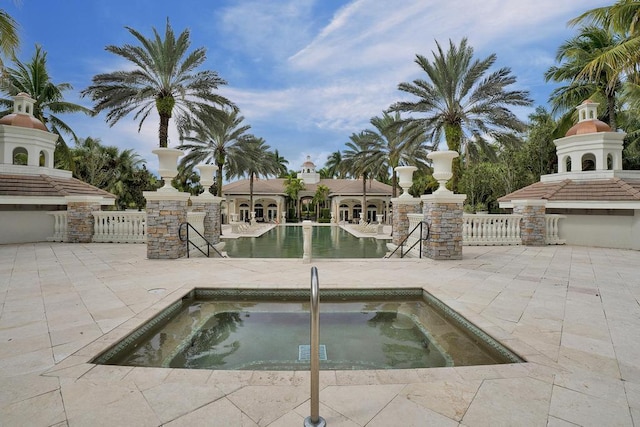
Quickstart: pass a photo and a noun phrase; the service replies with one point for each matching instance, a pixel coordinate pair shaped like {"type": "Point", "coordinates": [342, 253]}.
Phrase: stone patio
{"type": "Point", "coordinates": [572, 312]}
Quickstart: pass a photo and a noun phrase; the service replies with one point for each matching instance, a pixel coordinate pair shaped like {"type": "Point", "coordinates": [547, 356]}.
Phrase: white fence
{"type": "Point", "coordinates": [491, 230]}
{"type": "Point", "coordinates": [59, 226]}
{"type": "Point", "coordinates": [121, 226]}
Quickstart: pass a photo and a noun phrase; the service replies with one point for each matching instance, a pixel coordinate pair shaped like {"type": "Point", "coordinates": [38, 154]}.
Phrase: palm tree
{"type": "Point", "coordinates": [9, 40]}
{"type": "Point", "coordinates": [395, 142]}
{"type": "Point", "coordinates": [292, 188]}
{"type": "Point", "coordinates": [460, 102]}
{"type": "Point", "coordinates": [33, 78]}
{"type": "Point", "coordinates": [281, 165]}
{"type": "Point", "coordinates": [256, 161]}
{"type": "Point", "coordinates": [164, 79]}
{"type": "Point", "coordinates": [334, 165]}
{"type": "Point", "coordinates": [320, 197]}
{"type": "Point", "coordinates": [620, 18]}
{"type": "Point", "coordinates": [574, 55]}
{"type": "Point", "coordinates": [210, 139]}
{"type": "Point", "coordinates": [356, 161]}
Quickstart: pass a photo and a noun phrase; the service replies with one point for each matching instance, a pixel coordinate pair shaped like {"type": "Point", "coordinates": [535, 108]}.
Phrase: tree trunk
{"type": "Point", "coordinates": [163, 131]}
{"type": "Point", "coordinates": [453, 135]}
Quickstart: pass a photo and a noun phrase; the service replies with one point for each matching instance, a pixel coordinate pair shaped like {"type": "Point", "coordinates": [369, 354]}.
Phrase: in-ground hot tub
{"type": "Point", "coordinates": [263, 329]}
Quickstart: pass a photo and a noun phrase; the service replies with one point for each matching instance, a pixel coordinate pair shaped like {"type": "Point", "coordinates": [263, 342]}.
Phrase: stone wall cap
{"type": "Point", "coordinates": [166, 195]}
{"type": "Point", "coordinates": [444, 198]}
{"type": "Point", "coordinates": [84, 199]}
{"type": "Point", "coordinates": [406, 201]}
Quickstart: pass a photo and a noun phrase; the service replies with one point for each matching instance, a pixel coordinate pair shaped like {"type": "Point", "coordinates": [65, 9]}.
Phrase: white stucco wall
{"type": "Point", "coordinates": [606, 231]}
{"type": "Point", "coordinates": [25, 226]}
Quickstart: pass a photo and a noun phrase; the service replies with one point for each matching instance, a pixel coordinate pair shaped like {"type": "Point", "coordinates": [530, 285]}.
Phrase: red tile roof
{"type": "Point", "coordinates": [614, 189]}
{"type": "Point", "coordinates": [47, 186]}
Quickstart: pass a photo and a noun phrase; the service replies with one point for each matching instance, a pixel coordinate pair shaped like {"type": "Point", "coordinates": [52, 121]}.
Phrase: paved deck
{"type": "Point", "coordinates": [572, 312]}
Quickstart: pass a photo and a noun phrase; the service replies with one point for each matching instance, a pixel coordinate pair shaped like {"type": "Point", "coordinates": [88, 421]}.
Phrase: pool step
{"type": "Point", "coordinates": [304, 352]}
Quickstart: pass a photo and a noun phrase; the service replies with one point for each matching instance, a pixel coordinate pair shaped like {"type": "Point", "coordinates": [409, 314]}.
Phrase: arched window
{"type": "Point", "coordinates": [357, 210]}
{"type": "Point", "coordinates": [20, 156]}
{"type": "Point", "coordinates": [588, 162]}
{"type": "Point", "coordinates": [567, 163]}
{"type": "Point", "coordinates": [344, 212]}
{"type": "Point", "coordinates": [259, 211]}
{"type": "Point", "coordinates": [609, 162]}
{"type": "Point", "coordinates": [43, 159]}
{"type": "Point", "coordinates": [372, 210]}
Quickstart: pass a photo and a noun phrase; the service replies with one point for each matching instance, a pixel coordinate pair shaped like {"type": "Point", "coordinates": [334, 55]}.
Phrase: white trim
{"type": "Point", "coordinates": [47, 200]}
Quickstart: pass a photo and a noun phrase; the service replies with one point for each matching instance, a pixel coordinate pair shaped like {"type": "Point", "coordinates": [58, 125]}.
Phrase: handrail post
{"type": "Point", "coordinates": [315, 420]}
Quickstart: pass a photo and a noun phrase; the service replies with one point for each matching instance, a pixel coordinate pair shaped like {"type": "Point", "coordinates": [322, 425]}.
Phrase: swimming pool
{"type": "Point", "coordinates": [262, 329]}
{"type": "Point", "coordinates": [285, 241]}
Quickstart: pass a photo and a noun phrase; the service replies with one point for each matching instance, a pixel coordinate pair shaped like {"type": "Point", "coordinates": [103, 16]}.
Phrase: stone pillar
{"type": "Point", "coordinates": [166, 210]}
{"type": "Point", "coordinates": [210, 205]}
{"type": "Point", "coordinates": [80, 219]}
{"type": "Point", "coordinates": [533, 228]}
{"type": "Point", "coordinates": [307, 236]}
{"type": "Point", "coordinates": [402, 206]}
{"type": "Point", "coordinates": [443, 213]}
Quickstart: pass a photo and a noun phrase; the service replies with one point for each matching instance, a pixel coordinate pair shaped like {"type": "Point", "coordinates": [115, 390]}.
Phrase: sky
{"type": "Point", "coordinates": [306, 74]}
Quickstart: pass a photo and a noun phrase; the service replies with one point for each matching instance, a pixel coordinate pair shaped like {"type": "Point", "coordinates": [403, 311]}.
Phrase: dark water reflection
{"type": "Point", "coordinates": [286, 242]}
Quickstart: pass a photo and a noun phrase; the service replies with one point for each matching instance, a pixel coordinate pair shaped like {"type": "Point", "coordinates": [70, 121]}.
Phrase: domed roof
{"type": "Point", "coordinates": [23, 114]}
{"type": "Point", "coordinates": [308, 163]}
{"type": "Point", "coordinates": [23, 120]}
{"type": "Point", "coordinates": [588, 121]}
{"type": "Point", "coordinates": [588, 126]}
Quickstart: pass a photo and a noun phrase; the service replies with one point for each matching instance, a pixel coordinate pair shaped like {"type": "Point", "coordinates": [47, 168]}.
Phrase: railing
{"type": "Point", "coordinates": [552, 236]}
{"type": "Point", "coordinates": [315, 420]}
{"type": "Point", "coordinates": [411, 240]}
{"type": "Point", "coordinates": [491, 230]}
{"type": "Point", "coordinates": [119, 227]}
{"type": "Point", "coordinates": [59, 226]}
{"type": "Point", "coordinates": [183, 234]}
{"type": "Point", "coordinates": [196, 220]}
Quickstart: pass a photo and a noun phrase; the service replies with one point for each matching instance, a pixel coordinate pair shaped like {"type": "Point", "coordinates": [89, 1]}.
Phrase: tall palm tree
{"type": "Point", "coordinates": [395, 142]}
{"type": "Point", "coordinates": [292, 188]}
{"type": "Point", "coordinates": [281, 164]}
{"type": "Point", "coordinates": [461, 103]}
{"type": "Point", "coordinates": [356, 161]}
{"type": "Point", "coordinates": [623, 18]}
{"type": "Point", "coordinates": [574, 55]}
{"type": "Point", "coordinates": [164, 80]}
{"type": "Point", "coordinates": [33, 78]}
{"type": "Point", "coordinates": [9, 40]}
{"type": "Point", "coordinates": [211, 138]}
{"type": "Point", "coordinates": [256, 161]}
{"type": "Point", "coordinates": [334, 165]}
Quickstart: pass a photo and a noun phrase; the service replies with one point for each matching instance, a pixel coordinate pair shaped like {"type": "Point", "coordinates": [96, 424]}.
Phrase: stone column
{"type": "Point", "coordinates": [402, 206]}
{"type": "Point", "coordinates": [533, 228]}
{"type": "Point", "coordinates": [443, 213]}
{"type": "Point", "coordinates": [307, 244]}
{"type": "Point", "coordinates": [166, 210]}
{"type": "Point", "coordinates": [80, 219]}
{"type": "Point", "coordinates": [210, 204]}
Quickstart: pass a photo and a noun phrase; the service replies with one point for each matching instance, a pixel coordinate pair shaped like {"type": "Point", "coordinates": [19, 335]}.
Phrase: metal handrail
{"type": "Point", "coordinates": [401, 245]}
{"type": "Point", "coordinates": [315, 420]}
{"type": "Point", "coordinates": [186, 226]}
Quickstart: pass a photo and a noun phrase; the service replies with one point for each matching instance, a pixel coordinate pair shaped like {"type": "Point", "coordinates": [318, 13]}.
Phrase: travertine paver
{"type": "Point", "coordinates": [571, 312]}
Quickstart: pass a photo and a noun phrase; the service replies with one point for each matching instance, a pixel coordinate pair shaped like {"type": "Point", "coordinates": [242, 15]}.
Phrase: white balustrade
{"type": "Point", "coordinates": [553, 237]}
{"type": "Point", "coordinates": [196, 219]}
{"type": "Point", "coordinates": [59, 226]}
{"type": "Point", "coordinates": [119, 227]}
{"type": "Point", "coordinates": [491, 230]}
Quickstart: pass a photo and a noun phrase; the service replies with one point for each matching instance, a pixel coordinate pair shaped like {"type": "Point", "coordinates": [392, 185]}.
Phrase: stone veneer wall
{"type": "Point", "coordinates": [445, 226]}
{"type": "Point", "coordinates": [400, 224]}
{"type": "Point", "coordinates": [80, 221]}
{"type": "Point", "coordinates": [211, 206]}
{"type": "Point", "coordinates": [163, 223]}
{"type": "Point", "coordinates": [533, 228]}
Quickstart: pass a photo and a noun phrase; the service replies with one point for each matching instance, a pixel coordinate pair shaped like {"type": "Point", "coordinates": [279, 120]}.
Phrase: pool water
{"type": "Point", "coordinates": [285, 241]}
{"type": "Point", "coordinates": [272, 333]}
